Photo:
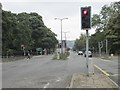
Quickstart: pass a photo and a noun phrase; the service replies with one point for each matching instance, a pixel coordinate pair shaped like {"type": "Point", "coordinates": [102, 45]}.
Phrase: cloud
{"type": "Point", "coordinates": [57, 0]}
{"type": "Point", "coordinates": [61, 9]}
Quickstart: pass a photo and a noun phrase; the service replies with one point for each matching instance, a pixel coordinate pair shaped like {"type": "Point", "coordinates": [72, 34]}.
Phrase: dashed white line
{"type": "Point", "coordinates": [58, 79]}
{"type": "Point", "coordinates": [68, 57]}
{"type": "Point", "coordinates": [90, 58]}
{"type": "Point", "coordinates": [46, 85]}
{"type": "Point", "coordinates": [105, 60]}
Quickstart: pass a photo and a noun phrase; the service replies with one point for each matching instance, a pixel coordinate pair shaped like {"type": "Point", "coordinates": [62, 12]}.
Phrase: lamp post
{"type": "Point", "coordinates": [65, 38]}
{"type": "Point", "coordinates": [61, 19]}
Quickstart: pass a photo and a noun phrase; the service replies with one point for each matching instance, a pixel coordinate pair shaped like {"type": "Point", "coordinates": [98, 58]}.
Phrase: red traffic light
{"type": "Point", "coordinates": [84, 12]}
{"type": "Point", "coordinates": [85, 18]}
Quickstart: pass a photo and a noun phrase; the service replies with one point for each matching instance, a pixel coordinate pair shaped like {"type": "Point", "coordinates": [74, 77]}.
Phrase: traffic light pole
{"type": "Point", "coordinates": [87, 63]}
{"type": "Point", "coordinates": [86, 24]}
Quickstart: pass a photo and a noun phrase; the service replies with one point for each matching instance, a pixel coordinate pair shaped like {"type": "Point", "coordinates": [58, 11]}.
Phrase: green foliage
{"type": "Point", "coordinates": [107, 25]}
{"type": "Point", "coordinates": [80, 43]}
{"type": "Point", "coordinates": [96, 21]}
{"type": "Point", "coordinates": [94, 39]}
{"type": "Point", "coordinates": [63, 56]}
{"type": "Point", "coordinates": [113, 32]}
{"type": "Point", "coordinates": [25, 29]}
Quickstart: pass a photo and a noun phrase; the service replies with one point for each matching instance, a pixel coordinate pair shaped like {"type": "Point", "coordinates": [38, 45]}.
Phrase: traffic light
{"type": "Point", "coordinates": [86, 18]}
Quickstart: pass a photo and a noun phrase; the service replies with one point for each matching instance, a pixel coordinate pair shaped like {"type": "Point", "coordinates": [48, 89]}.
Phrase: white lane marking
{"type": "Point", "coordinates": [58, 79]}
{"type": "Point", "coordinates": [68, 57]}
{"type": "Point", "coordinates": [25, 78]}
{"type": "Point", "coordinates": [46, 85]}
{"type": "Point", "coordinates": [104, 60]}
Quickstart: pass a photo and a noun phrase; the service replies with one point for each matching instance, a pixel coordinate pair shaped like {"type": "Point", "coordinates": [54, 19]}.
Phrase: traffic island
{"type": "Point", "coordinates": [93, 81]}
{"type": "Point", "coordinates": [61, 56]}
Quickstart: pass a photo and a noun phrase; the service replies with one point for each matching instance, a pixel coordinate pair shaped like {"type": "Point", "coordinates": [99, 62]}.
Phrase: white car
{"type": "Point", "coordinates": [80, 53]}
{"type": "Point", "coordinates": [89, 54]}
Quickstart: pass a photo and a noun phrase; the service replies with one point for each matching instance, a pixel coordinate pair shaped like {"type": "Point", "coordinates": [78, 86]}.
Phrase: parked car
{"type": "Point", "coordinates": [89, 54]}
{"type": "Point", "coordinates": [80, 53]}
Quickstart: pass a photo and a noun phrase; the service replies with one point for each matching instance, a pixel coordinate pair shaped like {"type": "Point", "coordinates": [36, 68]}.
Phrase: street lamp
{"type": "Point", "coordinates": [61, 32]}
{"type": "Point", "coordinates": [65, 39]}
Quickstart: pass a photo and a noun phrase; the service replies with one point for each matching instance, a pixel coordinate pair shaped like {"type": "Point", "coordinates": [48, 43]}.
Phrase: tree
{"type": "Point", "coordinates": [113, 33]}
{"type": "Point", "coordinates": [96, 22]}
{"type": "Point", "coordinates": [25, 29]}
{"type": "Point", "coordinates": [80, 43]}
{"type": "Point", "coordinates": [95, 38]}
{"type": "Point", "coordinates": [9, 22]}
{"type": "Point", "coordinates": [107, 26]}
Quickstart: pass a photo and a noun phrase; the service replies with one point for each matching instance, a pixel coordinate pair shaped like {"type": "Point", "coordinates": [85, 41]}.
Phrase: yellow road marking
{"type": "Point", "coordinates": [102, 70]}
{"type": "Point", "coordinates": [114, 75]}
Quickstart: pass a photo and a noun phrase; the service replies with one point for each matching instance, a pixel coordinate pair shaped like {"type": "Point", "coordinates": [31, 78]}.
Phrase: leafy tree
{"type": "Point", "coordinates": [96, 22]}
{"type": "Point", "coordinates": [25, 29]}
{"type": "Point", "coordinates": [95, 38]}
{"type": "Point", "coordinates": [113, 33]}
{"type": "Point", "coordinates": [107, 26]}
{"type": "Point", "coordinates": [8, 23]}
{"type": "Point", "coordinates": [80, 43]}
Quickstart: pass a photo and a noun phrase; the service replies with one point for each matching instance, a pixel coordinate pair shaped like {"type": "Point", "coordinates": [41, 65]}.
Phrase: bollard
{"type": "Point", "coordinates": [58, 55]}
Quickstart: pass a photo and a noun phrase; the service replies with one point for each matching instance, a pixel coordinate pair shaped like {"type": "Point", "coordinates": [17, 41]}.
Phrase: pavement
{"type": "Point", "coordinates": [96, 80]}
{"type": "Point", "coordinates": [93, 81]}
{"type": "Point", "coordinates": [16, 58]}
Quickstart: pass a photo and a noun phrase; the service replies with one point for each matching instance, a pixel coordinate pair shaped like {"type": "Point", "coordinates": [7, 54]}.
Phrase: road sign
{"type": "Point", "coordinates": [38, 49]}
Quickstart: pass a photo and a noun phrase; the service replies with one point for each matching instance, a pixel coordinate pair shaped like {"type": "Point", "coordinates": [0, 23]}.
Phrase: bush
{"type": "Point", "coordinates": [63, 56]}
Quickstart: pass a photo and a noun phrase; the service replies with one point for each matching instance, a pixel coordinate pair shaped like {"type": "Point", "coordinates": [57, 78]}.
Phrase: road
{"type": "Point", "coordinates": [108, 67]}
{"type": "Point", "coordinates": [43, 72]}
{"type": "Point", "coordinates": [0, 75]}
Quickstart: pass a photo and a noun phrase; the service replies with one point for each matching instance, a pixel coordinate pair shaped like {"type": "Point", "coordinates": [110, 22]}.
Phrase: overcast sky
{"type": "Point", "coordinates": [50, 9]}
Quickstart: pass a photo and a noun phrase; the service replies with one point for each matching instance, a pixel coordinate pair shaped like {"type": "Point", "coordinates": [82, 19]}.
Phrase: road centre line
{"type": "Point", "coordinates": [102, 70]}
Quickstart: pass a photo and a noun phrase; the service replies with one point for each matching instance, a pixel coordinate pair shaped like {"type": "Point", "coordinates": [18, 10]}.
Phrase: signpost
{"type": "Point", "coordinates": [38, 50]}
{"type": "Point", "coordinates": [86, 25]}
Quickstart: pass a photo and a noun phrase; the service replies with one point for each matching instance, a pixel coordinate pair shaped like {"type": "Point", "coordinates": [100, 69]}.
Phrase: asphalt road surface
{"type": "Point", "coordinates": [43, 72]}
{"type": "Point", "coordinates": [110, 67]}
